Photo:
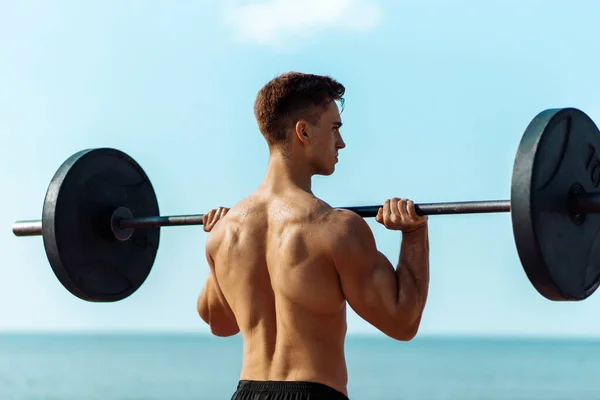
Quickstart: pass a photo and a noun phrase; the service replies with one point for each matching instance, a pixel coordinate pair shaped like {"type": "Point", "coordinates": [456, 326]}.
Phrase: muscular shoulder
{"type": "Point", "coordinates": [347, 231]}
{"type": "Point", "coordinates": [345, 222]}
{"type": "Point", "coordinates": [222, 230]}
{"type": "Point", "coordinates": [247, 215]}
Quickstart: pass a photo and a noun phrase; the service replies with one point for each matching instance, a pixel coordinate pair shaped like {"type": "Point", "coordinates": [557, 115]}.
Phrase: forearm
{"type": "Point", "coordinates": [413, 271]}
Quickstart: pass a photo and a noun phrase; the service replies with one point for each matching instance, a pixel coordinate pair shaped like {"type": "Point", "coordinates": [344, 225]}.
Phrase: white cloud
{"type": "Point", "coordinates": [275, 22]}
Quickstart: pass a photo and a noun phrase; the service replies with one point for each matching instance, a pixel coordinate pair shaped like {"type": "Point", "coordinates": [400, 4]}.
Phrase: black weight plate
{"type": "Point", "coordinates": [560, 251]}
{"type": "Point", "coordinates": [84, 254]}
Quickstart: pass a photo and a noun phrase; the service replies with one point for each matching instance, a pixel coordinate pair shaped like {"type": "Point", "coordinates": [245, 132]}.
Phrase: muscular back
{"type": "Point", "coordinates": [271, 263]}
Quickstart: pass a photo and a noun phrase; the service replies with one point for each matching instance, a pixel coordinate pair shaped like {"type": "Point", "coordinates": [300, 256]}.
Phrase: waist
{"type": "Point", "coordinates": [306, 387]}
{"type": "Point", "coordinates": [295, 365]}
{"type": "Point", "coordinates": [300, 376]}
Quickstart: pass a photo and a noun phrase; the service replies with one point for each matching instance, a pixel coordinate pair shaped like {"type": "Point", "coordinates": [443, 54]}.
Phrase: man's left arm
{"type": "Point", "coordinates": [214, 309]}
{"type": "Point", "coordinates": [212, 305]}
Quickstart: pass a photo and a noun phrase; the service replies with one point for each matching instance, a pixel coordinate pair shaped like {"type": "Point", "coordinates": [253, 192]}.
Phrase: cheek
{"type": "Point", "coordinates": [323, 143]}
{"type": "Point", "coordinates": [326, 145]}
{"type": "Point", "coordinates": [327, 141]}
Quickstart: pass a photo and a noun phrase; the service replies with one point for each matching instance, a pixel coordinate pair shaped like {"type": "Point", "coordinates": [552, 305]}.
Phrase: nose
{"type": "Point", "coordinates": [340, 144]}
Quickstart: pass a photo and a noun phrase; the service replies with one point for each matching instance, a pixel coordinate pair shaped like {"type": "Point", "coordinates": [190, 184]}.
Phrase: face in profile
{"type": "Point", "coordinates": [325, 141]}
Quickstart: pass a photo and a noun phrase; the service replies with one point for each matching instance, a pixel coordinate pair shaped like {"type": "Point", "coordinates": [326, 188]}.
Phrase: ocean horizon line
{"type": "Point", "coordinates": [350, 336]}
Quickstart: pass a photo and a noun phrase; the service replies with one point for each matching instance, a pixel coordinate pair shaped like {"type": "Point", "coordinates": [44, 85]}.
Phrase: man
{"type": "Point", "coordinates": [284, 264]}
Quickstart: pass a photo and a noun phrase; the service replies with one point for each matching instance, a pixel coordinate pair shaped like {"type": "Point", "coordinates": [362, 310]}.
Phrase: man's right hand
{"type": "Point", "coordinates": [400, 215]}
{"type": "Point", "coordinates": [212, 217]}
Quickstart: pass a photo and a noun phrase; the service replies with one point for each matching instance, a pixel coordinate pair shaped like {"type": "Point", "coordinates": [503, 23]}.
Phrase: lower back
{"type": "Point", "coordinates": [294, 353]}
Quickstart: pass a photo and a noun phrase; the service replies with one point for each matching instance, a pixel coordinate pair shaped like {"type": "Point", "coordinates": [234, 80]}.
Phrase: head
{"type": "Point", "coordinates": [299, 117]}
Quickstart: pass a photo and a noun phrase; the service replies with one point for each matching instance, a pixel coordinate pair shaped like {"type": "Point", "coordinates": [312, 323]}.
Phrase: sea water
{"type": "Point", "coordinates": [186, 367]}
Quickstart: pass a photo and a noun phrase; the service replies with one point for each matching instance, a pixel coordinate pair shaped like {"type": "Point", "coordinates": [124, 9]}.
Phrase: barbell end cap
{"type": "Point", "coordinates": [121, 213]}
{"type": "Point", "coordinates": [27, 228]}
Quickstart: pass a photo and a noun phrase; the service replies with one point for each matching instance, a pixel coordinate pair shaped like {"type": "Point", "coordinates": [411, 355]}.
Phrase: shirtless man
{"type": "Point", "coordinates": [284, 264]}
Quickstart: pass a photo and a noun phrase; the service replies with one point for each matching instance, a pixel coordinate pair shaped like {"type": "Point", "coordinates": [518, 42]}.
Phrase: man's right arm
{"type": "Point", "coordinates": [391, 299]}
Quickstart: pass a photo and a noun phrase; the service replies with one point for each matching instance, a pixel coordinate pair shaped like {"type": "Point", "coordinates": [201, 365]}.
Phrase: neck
{"type": "Point", "coordinates": [286, 172]}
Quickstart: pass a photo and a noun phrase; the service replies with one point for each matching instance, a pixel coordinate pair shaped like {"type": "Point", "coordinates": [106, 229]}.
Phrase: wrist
{"type": "Point", "coordinates": [419, 230]}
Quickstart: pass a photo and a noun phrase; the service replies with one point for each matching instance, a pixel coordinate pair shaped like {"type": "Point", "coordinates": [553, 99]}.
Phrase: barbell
{"type": "Point", "coordinates": [101, 223]}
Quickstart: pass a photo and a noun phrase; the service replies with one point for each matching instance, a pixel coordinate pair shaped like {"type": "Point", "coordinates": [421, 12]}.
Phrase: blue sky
{"type": "Point", "coordinates": [438, 96]}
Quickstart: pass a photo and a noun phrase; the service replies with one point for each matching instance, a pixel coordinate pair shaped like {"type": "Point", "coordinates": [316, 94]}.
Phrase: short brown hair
{"type": "Point", "coordinates": [292, 96]}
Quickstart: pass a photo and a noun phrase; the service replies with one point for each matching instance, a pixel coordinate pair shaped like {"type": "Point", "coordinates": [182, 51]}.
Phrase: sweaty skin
{"type": "Point", "coordinates": [284, 265]}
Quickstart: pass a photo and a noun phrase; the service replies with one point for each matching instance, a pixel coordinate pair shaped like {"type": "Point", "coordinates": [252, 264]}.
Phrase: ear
{"type": "Point", "coordinates": [302, 131]}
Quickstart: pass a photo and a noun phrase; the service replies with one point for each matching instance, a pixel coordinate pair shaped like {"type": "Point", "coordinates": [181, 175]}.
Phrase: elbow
{"type": "Point", "coordinates": [405, 334]}
{"type": "Point", "coordinates": [217, 327]}
{"type": "Point", "coordinates": [407, 329]}
{"type": "Point", "coordinates": [224, 330]}
{"type": "Point", "coordinates": [409, 321]}
{"type": "Point", "coordinates": [218, 324]}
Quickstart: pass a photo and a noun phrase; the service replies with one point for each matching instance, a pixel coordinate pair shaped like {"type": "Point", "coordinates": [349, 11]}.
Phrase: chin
{"type": "Point", "coordinates": [327, 172]}
{"type": "Point", "coordinates": [325, 169]}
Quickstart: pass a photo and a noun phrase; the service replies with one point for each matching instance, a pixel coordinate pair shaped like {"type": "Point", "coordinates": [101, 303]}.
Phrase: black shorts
{"type": "Point", "coordinates": [277, 390]}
